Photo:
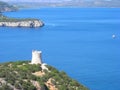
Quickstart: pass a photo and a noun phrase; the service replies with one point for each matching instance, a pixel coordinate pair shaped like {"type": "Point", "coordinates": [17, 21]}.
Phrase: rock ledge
{"type": "Point", "coordinates": [29, 23]}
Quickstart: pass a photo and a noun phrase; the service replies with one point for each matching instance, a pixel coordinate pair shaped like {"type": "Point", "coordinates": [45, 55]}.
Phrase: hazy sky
{"type": "Point", "coordinates": [45, 0]}
{"type": "Point", "coordinates": [51, 0]}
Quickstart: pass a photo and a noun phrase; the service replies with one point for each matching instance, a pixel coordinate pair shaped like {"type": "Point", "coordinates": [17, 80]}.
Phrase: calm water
{"type": "Point", "coordinates": [76, 40]}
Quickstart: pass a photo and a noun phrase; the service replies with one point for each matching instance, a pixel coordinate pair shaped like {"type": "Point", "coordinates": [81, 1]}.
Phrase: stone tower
{"type": "Point", "coordinates": [36, 57]}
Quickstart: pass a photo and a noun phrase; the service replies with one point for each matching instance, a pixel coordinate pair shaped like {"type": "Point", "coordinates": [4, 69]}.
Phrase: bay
{"type": "Point", "coordinates": [76, 40]}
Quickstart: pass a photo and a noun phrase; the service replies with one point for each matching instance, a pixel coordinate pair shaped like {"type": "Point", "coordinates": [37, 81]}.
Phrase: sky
{"type": "Point", "coordinates": [50, 0]}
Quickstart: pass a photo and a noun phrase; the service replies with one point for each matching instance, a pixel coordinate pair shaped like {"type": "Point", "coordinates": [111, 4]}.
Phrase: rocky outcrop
{"type": "Point", "coordinates": [30, 23]}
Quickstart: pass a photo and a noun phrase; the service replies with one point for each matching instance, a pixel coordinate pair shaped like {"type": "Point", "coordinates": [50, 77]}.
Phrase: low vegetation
{"type": "Point", "coordinates": [8, 19]}
{"type": "Point", "coordinates": [21, 75]}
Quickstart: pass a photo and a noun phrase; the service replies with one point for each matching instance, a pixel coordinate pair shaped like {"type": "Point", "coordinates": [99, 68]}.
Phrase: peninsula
{"type": "Point", "coordinates": [15, 22]}
{"type": "Point", "coordinates": [35, 75]}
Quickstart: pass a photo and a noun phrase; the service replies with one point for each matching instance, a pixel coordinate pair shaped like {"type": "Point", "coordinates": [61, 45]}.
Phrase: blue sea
{"type": "Point", "coordinates": [76, 40]}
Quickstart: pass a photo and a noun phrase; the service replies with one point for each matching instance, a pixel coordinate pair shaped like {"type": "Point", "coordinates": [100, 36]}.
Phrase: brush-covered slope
{"type": "Point", "coordinates": [21, 75]}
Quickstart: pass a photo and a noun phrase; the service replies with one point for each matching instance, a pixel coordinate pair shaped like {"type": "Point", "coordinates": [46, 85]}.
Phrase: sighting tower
{"type": "Point", "coordinates": [36, 57]}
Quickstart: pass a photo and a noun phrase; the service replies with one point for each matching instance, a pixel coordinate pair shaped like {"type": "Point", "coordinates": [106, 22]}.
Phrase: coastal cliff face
{"type": "Point", "coordinates": [30, 23]}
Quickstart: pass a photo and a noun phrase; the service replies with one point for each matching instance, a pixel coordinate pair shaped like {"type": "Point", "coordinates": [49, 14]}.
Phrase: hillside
{"type": "Point", "coordinates": [21, 75]}
{"type": "Point", "coordinates": [6, 7]}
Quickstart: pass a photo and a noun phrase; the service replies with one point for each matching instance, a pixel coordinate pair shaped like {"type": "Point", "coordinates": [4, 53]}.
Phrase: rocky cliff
{"type": "Point", "coordinates": [27, 23]}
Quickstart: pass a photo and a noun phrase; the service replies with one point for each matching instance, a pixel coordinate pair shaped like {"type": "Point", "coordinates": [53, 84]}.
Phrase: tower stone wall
{"type": "Point", "coordinates": [36, 57]}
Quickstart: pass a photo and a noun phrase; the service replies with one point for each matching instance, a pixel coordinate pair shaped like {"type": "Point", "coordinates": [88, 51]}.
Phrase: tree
{"type": "Point", "coordinates": [5, 87]}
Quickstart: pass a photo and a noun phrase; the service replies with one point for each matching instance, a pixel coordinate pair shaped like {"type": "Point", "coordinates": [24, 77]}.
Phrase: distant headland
{"type": "Point", "coordinates": [64, 3]}
{"type": "Point", "coordinates": [15, 22]}
{"type": "Point", "coordinates": [5, 7]}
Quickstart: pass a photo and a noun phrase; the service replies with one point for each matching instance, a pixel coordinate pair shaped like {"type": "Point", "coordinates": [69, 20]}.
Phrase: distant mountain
{"type": "Point", "coordinates": [6, 7]}
{"type": "Point", "coordinates": [35, 0]}
{"type": "Point", "coordinates": [75, 3]}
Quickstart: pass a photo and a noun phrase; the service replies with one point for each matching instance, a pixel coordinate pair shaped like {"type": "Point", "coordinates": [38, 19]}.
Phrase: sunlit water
{"type": "Point", "coordinates": [76, 40]}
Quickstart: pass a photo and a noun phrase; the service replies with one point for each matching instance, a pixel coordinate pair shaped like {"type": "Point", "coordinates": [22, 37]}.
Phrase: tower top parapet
{"type": "Point", "coordinates": [36, 51]}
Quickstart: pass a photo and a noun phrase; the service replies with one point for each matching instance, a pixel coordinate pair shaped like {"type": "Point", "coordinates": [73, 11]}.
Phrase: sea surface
{"type": "Point", "coordinates": [76, 40]}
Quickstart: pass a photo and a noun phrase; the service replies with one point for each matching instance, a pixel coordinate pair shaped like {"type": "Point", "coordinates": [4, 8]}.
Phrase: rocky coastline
{"type": "Point", "coordinates": [16, 22]}
{"type": "Point", "coordinates": [27, 23]}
